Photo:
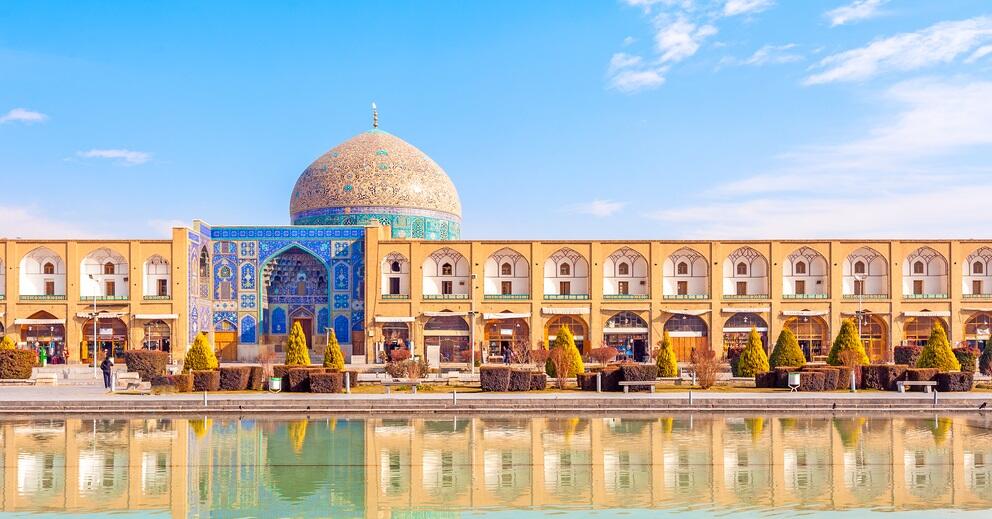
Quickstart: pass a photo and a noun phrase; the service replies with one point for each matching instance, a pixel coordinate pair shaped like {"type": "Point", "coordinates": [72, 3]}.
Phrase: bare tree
{"type": "Point", "coordinates": [705, 365]}
{"type": "Point", "coordinates": [561, 362]}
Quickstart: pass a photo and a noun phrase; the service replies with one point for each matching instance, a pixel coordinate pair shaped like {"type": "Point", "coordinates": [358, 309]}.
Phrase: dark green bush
{"type": "Point", "coordinates": [586, 381]}
{"type": "Point", "coordinates": [299, 379]}
{"type": "Point", "coordinates": [148, 364]}
{"type": "Point", "coordinates": [967, 357]}
{"type": "Point", "coordinates": [17, 364]}
{"type": "Point", "coordinates": [766, 379]}
{"type": "Point", "coordinates": [907, 355]}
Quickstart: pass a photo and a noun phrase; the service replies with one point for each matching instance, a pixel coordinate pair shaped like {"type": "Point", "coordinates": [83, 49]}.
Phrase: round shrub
{"type": "Point", "coordinates": [753, 359]}
{"type": "Point", "coordinates": [937, 353]}
{"type": "Point", "coordinates": [787, 351]}
{"type": "Point", "coordinates": [848, 347]}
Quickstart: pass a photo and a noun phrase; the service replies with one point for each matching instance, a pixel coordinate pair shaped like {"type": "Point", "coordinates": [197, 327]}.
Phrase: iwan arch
{"type": "Point", "coordinates": [373, 252]}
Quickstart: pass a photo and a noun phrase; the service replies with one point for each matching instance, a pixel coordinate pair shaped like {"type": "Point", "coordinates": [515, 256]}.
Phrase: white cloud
{"type": "Point", "coordinates": [940, 43]}
{"type": "Point", "coordinates": [979, 54]}
{"type": "Point", "coordinates": [907, 176]}
{"type": "Point", "coordinates": [628, 73]}
{"type": "Point", "coordinates": [597, 208]}
{"type": "Point", "coordinates": [854, 12]}
{"type": "Point", "coordinates": [736, 7]}
{"type": "Point", "coordinates": [31, 222]}
{"type": "Point", "coordinates": [127, 156]}
{"type": "Point", "coordinates": [648, 4]}
{"type": "Point", "coordinates": [677, 39]}
{"type": "Point", "coordinates": [22, 115]}
{"type": "Point", "coordinates": [768, 55]}
{"type": "Point", "coordinates": [629, 40]}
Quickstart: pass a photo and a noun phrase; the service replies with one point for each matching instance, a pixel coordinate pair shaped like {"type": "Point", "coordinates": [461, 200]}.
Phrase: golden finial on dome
{"type": "Point", "coordinates": [375, 116]}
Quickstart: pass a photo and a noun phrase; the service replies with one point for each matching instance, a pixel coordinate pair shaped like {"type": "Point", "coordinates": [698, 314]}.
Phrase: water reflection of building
{"type": "Point", "coordinates": [380, 466]}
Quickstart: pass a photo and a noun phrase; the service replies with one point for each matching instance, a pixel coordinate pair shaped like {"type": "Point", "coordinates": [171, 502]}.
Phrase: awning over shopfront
{"type": "Point", "coordinates": [579, 310]}
{"type": "Point", "coordinates": [745, 310]}
{"type": "Point", "coordinates": [444, 314]}
{"type": "Point", "coordinates": [625, 331]}
{"type": "Point", "coordinates": [625, 309]}
{"type": "Point", "coordinates": [927, 313]}
{"type": "Point", "coordinates": [388, 319]}
{"type": "Point", "coordinates": [805, 313]}
{"type": "Point", "coordinates": [38, 321]}
{"type": "Point", "coordinates": [101, 315]}
{"type": "Point", "coordinates": [687, 312]}
{"type": "Point", "coordinates": [157, 317]}
{"type": "Point", "coordinates": [866, 312]}
{"type": "Point", "coordinates": [966, 309]}
{"type": "Point", "coordinates": [522, 315]}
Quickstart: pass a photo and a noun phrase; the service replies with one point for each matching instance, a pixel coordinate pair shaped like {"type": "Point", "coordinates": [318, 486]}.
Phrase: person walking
{"type": "Point", "coordinates": [107, 366]}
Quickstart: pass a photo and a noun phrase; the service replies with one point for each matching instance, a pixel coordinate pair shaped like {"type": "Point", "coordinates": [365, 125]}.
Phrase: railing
{"type": "Point", "coordinates": [103, 298]}
{"type": "Point", "coordinates": [855, 297]}
{"type": "Point", "coordinates": [396, 296]}
{"type": "Point", "coordinates": [156, 298]}
{"type": "Point", "coordinates": [686, 296]}
{"type": "Point", "coordinates": [505, 297]}
{"type": "Point", "coordinates": [745, 296]}
{"type": "Point", "coordinates": [566, 297]}
{"type": "Point", "coordinates": [42, 297]}
{"type": "Point", "coordinates": [924, 296]}
{"type": "Point", "coordinates": [445, 296]}
{"type": "Point", "coordinates": [805, 296]}
{"type": "Point", "coordinates": [615, 297]}
{"type": "Point", "coordinates": [965, 296]}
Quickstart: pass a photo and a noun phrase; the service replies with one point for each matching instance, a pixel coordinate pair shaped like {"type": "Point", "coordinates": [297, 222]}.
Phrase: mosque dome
{"type": "Point", "coordinates": [378, 177]}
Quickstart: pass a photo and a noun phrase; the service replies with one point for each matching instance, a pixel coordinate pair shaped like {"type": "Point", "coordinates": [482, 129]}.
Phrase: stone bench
{"type": "Point", "coordinates": [129, 381]}
{"type": "Point", "coordinates": [389, 384]}
{"type": "Point", "coordinates": [46, 379]}
{"type": "Point", "coordinates": [927, 384]}
{"type": "Point", "coordinates": [650, 383]}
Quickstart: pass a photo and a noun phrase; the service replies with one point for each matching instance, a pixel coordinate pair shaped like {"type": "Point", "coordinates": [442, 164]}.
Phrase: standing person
{"type": "Point", "coordinates": [107, 366]}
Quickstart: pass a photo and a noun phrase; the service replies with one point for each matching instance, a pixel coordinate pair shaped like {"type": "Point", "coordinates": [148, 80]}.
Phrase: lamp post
{"type": "Point", "coordinates": [96, 369]}
{"type": "Point", "coordinates": [861, 295]}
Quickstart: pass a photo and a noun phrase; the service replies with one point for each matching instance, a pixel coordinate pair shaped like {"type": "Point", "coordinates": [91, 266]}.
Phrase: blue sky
{"type": "Point", "coordinates": [663, 119]}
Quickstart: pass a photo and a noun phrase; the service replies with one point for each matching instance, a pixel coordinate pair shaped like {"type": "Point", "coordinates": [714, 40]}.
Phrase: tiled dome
{"type": "Point", "coordinates": [373, 174]}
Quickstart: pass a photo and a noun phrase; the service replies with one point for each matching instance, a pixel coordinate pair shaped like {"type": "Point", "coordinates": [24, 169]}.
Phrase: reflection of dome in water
{"type": "Point", "coordinates": [378, 177]}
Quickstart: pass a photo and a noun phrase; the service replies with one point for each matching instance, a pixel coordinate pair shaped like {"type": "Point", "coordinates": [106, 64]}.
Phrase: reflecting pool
{"type": "Point", "coordinates": [644, 466]}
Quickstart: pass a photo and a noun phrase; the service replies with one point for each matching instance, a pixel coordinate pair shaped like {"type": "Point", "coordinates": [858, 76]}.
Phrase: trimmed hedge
{"type": "Point", "coordinates": [331, 382]}
{"type": "Point", "coordinates": [256, 378]}
{"type": "Point", "coordinates": [17, 364]}
{"type": "Point", "coordinates": [782, 375]}
{"type": "Point", "coordinates": [907, 355]}
{"type": "Point", "coordinates": [183, 382]}
{"type": "Point", "coordinates": [234, 378]}
{"type": "Point", "coordinates": [812, 381]}
{"type": "Point", "coordinates": [767, 379]}
{"type": "Point", "coordinates": [967, 357]}
{"type": "Point", "coordinates": [612, 375]}
{"type": "Point", "coordinates": [830, 375]}
{"type": "Point", "coordinates": [586, 381]}
{"type": "Point", "coordinates": [955, 381]}
{"type": "Point", "coordinates": [519, 380]}
{"type": "Point", "coordinates": [920, 375]}
{"type": "Point", "coordinates": [299, 379]}
{"type": "Point", "coordinates": [161, 381]}
{"type": "Point", "coordinates": [206, 380]}
{"type": "Point", "coordinates": [844, 376]}
{"type": "Point", "coordinates": [353, 375]}
{"type": "Point", "coordinates": [149, 364]}
{"type": "Point", "coordinates": [882, 377]}
{"type": "Point", "coordinates": [538, 381]}
{"type": "Point", "coordinates": [494, 378]}
{"type": "Point", "coordinates": [639, 373]}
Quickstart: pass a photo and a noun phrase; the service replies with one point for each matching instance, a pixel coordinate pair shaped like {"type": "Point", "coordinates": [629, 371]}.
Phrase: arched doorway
{"type": "Point", "coordinates": [916, 330]}
{"type": "Point", "coordinates": [226, 341]}
{"type": "Point", "coordinates": [628, 333]}
{"type": "Point", "coordinates": [575, 325]}
{"type": "Point", "coordinates": [158, 336]}
{"type": "Point", "coordinates": [396, 336]}
{"type": "Point", "coordinates": [738, 328]}
{"type": "Point", "coordinates": [875, 337]}
{"type": "Point", "coordinates": [295, 287]}
{"type": "Point", "coordinates": [977, 330]}
{"type": "Point", "coordinates": [812, 333]}
{"type": "Point", "coordinates": [688, 333]}
{"type": "Point", "coordinates": [43, 329]}
{"type": "Point", "coordinates": [503, 333]}
{"type": "Point", "coordinates": [111, 336]}
{"type": "Point", "coordinates": [305, 319]}
{"type": "Point", "coordinates": [450, 335]}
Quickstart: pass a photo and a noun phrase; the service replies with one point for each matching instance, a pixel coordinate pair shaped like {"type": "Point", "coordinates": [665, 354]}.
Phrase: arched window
{"type": "Point", "coordinates": [682, 269]}
{"type": "Point", "coordinates": [506, 269]}
{"type": "Point", "coordinates": [394, 266]}
{"type": "Point", "coordinates": [800, 268]}
{"type": "Point", "coordinates": [565, 269]}
{"type": "Point", "coordinates": [859, 267]}
{"type": "Point", "coordinates": [918, 267]}
{"type": "Point", "coordinates": [623, 269]}
{"type": "Point", "coordinates": [977, 268]}
{"type": "Point", "coordinates": [446, 269]}
{"type": "Point", "coordinates": [742, 269]}
{"type": "Point", "coordinates": [49, 268]}
{"type": "Point", "coordinates": [108, 268]}
{"type": "Point", "coordinates": [204, 263]}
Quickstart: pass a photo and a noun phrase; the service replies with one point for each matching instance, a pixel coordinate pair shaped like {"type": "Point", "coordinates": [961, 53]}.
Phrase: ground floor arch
{"type": "Point", "coordinates": [110, 336]}
{"type": "Point", "coordinates": [157, 335]}
{"type": "Point", "coordinates": [813, 334]}
{"type": "Point", "coordinates": [503, 334]}
{"type": "Point", "coordinates": [738, 327]}
{"type": "Point", "coordinates": [628, 333]}
{"type": "Point", "coordinates": [395, 336]}
{"type": "Point", "coordinates": [226, 340]}
{"type": "Point", "coordinates": [44, 330]}
{"type": "Point", "coordinates": [574, 323]}
{"type": "Point", "coordinates": [875, 336]}
{"type": "Point", "coordinates": [688, 333]}
{"type": "Point", "coordinates": [977, 330]}
{"type": "Point", "coordinates": [916, 330]}
{"type": "Point", "coordinates": [450, 335]}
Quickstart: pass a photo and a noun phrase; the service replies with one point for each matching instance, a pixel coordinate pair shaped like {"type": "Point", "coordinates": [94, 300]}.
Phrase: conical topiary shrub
{"type": "Point", "coordinates": [333, 358]}
{"type": "Point", "coordinates": [937, 353]}
{"type": "Point", "coordinates": [200, 356]}
{"type": "Point", "coordinates": [787, 351]}
{"type": "Point", "coordinates": [753, 359]}
{"type": "Point", "coordinates": [297, 353]}
{"type": "Point", "coordinates": [566, 340]}
{"type": "Point", "coordinates": [7, 343]}
{"type": "Point", "coordinates": [848, 344]}
{"type": "Point", "coordinates": [668, 365]}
